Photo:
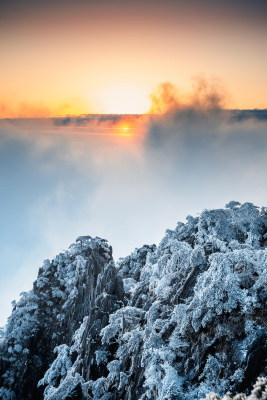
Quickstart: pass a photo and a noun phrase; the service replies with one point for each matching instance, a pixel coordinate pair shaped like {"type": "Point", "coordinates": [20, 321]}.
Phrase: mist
{"type": "Point", "coordinates": [86, 175]}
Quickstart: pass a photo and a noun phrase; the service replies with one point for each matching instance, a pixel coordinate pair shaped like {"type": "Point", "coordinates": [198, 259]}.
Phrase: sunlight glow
{"type": "Point", "coordinates": [125, 99]}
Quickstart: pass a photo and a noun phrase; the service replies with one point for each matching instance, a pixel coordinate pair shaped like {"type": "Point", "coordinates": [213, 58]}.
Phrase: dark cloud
{"type": "Point", "coordinates": [242, 115]}
{"type": "Point", "coordinates": [63, 121]}
{"type": "Point", "coordinates": [107, 120]}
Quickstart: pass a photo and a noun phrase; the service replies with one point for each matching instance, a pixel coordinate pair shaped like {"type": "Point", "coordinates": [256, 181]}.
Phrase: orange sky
{"type": "Point", "coordinates": [108, 56]}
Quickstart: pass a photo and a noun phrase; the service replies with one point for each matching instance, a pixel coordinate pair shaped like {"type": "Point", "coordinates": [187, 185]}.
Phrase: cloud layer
{"type": "Point", "coordinates": [62, 178]}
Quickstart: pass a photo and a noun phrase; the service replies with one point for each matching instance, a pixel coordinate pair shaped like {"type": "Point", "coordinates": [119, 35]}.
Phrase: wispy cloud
{"type": "Point", "coordinates": [205, 94]}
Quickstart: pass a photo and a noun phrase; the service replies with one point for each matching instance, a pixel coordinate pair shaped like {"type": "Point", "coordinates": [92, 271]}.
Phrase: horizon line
{"type": "Point", "coordinates": [47, 116]}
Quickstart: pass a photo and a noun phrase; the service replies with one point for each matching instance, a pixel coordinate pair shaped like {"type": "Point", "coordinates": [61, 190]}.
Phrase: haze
{"type": "Point", "coordinates": [191, 77]}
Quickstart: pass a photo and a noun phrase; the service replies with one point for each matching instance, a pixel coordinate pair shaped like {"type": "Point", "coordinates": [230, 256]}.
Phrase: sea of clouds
{"type": "Point", "coordinates": [65, 177]}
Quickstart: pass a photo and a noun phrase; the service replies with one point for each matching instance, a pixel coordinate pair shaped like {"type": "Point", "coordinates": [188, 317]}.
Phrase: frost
{"type": "Point", "coordinates": [129, 285]}
{"type": "Point", "coordinates": [101, 357]}
{"type": "Point", "coordinates": [188, 323]}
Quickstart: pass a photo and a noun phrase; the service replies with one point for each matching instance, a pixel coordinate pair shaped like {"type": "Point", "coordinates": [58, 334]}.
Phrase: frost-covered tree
{"type": "Point", "coordinates": [182, 320]}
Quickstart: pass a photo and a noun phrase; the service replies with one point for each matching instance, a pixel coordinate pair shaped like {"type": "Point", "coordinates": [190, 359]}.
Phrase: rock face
{"type": "Point", "coordinates": [177, 321]}
{"type": "Point", "coordinates": [82, 282]}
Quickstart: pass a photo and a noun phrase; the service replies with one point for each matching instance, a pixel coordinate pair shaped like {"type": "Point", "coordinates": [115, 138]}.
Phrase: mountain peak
{"type": "Point", "coordinates": [180, 320]}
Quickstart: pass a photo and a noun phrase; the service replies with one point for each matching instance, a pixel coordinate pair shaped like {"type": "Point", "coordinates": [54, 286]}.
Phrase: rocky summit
{"type": "Point", "coordinates": [182, 320]}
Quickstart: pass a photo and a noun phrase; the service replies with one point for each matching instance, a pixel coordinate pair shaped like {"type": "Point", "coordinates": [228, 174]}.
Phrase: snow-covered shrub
{"type": "Point", "coordinates": [188, 324]}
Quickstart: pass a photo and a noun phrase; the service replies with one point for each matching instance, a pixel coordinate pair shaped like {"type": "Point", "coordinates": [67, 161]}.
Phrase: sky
{"type": "Point", "coordinates": [107, 56]}
{"type": "Point", "coordinates": [120, 118]}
